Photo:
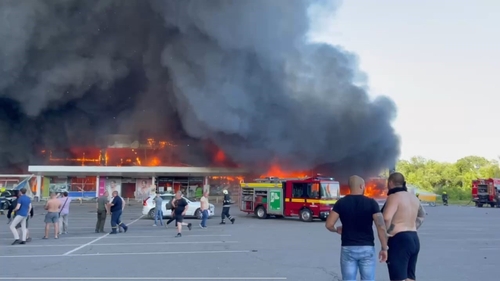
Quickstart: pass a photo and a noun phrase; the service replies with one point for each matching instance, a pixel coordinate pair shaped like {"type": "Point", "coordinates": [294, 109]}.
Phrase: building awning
{"type": "Point", "coordinates": [134, 172]}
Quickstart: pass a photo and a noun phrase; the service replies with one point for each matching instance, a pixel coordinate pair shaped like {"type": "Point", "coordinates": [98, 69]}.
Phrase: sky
{"type": "Point", "coordinates": [437, 60]}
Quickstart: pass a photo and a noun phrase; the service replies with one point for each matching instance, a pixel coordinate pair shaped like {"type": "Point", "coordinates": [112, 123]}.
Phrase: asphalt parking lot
{"type": "Point", "coordinates": [458, 243]}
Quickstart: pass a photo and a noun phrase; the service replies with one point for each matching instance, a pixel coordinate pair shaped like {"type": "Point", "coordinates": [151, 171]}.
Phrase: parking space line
{"type": "Point", "coordinates": [183, 236]}
{"type": "Point", "coordinates": [124, 244]}
{"type": "Point", "coordinates": [143, 278]}
{"type": "Point", "coordinates": [130, 254]}
{"type": "Point", "coordinates": [97, 239]}
{"type": "Point", "coordinates": [147, 236]}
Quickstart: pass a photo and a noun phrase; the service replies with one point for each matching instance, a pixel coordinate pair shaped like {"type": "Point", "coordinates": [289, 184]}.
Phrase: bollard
{"type": "Point", "coordinates": [128, 201]}
{"type": "Point", "coordinates": [81, 200]}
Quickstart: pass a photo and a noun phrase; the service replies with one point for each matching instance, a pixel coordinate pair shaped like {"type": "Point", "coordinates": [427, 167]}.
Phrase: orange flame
{"type": "Point", "coordinates": [154, 162]}
{"type": "Point", "coordinates": [276, 171]}
{"type": "Point", "coordinates": [237, 179]}
{"type": "Point", "coordinates": [374, 188]}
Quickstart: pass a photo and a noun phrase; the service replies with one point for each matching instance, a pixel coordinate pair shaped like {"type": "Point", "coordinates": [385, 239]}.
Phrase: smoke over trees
{"type": "Point", "coordinates": [238, 73]}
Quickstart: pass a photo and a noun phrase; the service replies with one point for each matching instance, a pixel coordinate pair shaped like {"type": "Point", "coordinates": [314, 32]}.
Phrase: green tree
{"type": "Point", "coordinates": [454, 178]}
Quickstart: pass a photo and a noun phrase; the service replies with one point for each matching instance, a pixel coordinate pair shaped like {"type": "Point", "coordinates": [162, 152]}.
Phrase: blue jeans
{"type": "Point", "coordinates": [115, 221]}
{"type": "Point", "coordinates": [353, 258]}
{"type": "Point", "coordinates": [204, 217]}
{"type": "Point", "coordinates": [159, 215]}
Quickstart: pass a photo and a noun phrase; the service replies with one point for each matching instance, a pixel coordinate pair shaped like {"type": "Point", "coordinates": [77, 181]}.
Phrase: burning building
{"type": "Point", "coordinates": [183, 77]}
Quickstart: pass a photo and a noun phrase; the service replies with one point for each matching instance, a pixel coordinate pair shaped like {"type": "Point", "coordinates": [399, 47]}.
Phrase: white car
{"type": "Point", "coordinates": [193, 210]}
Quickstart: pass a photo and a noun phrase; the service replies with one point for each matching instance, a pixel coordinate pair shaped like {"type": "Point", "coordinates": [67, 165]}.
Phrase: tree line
{"type": "Point", "coordinates": [454, 178]}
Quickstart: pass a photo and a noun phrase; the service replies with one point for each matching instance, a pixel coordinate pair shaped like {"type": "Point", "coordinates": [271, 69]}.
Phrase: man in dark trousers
{"type": "Point", "coordinates": [226, 205]}
{"type": "Point", "coordinates": [102, 211]}
{"type": "Point", "coordinates": [403, 215]}
{"type": "Point", "coordinates": [116, 208]}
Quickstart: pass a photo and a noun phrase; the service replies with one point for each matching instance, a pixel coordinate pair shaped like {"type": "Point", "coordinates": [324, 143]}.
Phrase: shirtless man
{"type": "Point", "coordinates": [403, 215]}
{"type": "Point", "coordinates": [53, 207]}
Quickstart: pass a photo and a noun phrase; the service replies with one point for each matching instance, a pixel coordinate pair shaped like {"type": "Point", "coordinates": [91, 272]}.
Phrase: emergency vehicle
{"type": "Point", "coordinates": [307, 198]}
{"type": "Point", "coordinates": [486, 191]}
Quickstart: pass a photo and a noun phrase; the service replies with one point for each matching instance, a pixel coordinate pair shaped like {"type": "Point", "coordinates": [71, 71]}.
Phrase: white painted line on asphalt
{"type": "Point", "coordinates": [31, 228]}
{"type": "Point", "coordinates": [143, 278]}
{"type": "Point", "coordinates": [93, 227]}
{"type": "Point", "coordinates": [64, 237]}
{"type": "Point", "coordinates": [124, 244]}
{"type": "Point", "coordinates": [97, 239]}
{"type": "Point", "coordinates": [128, 254]}
{"type": "Point", "coordinates": [183, 236]}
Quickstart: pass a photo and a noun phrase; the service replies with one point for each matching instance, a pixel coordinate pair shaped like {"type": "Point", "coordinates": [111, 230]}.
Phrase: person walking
{"type": "Point", "coordinates": [116, 208]}
{"type": "Point", "coordinates": [64, 213]}
{"type": "Point", "coordinates": [204, 209]}
{"type": "Point", "coordinates": [22, 209]}
{"type": "Point", "coordinates": [158, 210]}
{"type": "Point", "coordinates": [102, 211]}
{"type": "Point", "coordinates": [357, 214]}
{"type": "Point", "coordinates": [226, 205]}
{"type": "Point", "coordinates": [18, 226]}
{"type": "Point", "coordinates": [179, 213]}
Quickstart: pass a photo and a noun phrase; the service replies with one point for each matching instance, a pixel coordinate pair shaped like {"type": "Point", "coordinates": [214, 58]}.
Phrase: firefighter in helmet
{"type": "Point", "coordinates": [226, 205]}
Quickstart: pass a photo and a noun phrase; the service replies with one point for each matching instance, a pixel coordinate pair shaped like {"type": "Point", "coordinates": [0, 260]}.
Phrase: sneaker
{"type": "Point", "coordinates": [232, 220]}
{"type": "Point", "coordinates": [28, 239]}
{"type": "Point", "coordinates": [22, 242]}
{"type": "Point", "coordinates": [97, 231]}
{"type": "Point", "coordinates": [15, 242]}
{"type": "Point", "coordinates": [113, 232]}
{"type": "Point", "coordinates": [190, 226]}
{"type": "Point", "coordinates": [154, 225]}
{"type": "Point", "coordinates": [222, 222]}
{"type": "Point", "coordinates": [125, 229]}
{"type": "Point", "coordinates": [178, 235]}
{"type": "Point", "coordinates": [201, 226]}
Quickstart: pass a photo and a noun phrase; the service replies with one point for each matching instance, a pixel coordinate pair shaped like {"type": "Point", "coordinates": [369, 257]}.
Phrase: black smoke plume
{"type": "Point", "coordinates": [241, 74]}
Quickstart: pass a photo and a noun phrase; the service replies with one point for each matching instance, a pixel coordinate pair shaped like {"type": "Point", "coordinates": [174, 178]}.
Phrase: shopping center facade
{"type": "Point", "coordinates": [136, 182]}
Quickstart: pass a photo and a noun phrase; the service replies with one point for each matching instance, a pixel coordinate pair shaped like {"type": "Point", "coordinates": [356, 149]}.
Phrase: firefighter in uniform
{"type": "Point", "coordinates": [225, 208]}
{"type": "Point", "coordinates": [116, 208]}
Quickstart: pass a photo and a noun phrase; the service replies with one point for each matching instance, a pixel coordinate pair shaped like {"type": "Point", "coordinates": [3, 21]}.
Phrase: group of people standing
{"type": "Point", "coordinates": [397, 224]}
{"type": "Point", "coordinates": [113, 207]}
{"type": "Point", "coordinates": [22, 210]}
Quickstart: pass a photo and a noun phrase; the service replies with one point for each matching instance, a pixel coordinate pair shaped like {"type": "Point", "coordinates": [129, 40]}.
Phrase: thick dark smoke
{"type": "Point", "coordinates": [238, 73]}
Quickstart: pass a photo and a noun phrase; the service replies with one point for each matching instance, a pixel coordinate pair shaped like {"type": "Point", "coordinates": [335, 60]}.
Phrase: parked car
{"type": "Point", "coordinates": [7, 197]}
{"type": "Point", "coordinates": [149, 209]}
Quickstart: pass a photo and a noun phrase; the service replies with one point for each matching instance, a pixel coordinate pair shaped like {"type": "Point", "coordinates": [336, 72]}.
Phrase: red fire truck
{"type": "Point", "coordinates": [306, 198]}
{"type": "Point", "coordinates": [486, 191]}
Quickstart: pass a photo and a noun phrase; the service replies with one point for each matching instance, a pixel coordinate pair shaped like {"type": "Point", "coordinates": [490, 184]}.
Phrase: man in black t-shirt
{"type": "Point", "coordinates": [357, 214]}
{"type": "Point", "coordinates": [181, 207]}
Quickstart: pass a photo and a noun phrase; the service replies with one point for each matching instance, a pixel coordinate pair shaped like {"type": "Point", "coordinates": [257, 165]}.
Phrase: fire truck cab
{"type": "Point", "coordinates": [306, 198]}
{"type": "Point", "coordinates": [486, 191]}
